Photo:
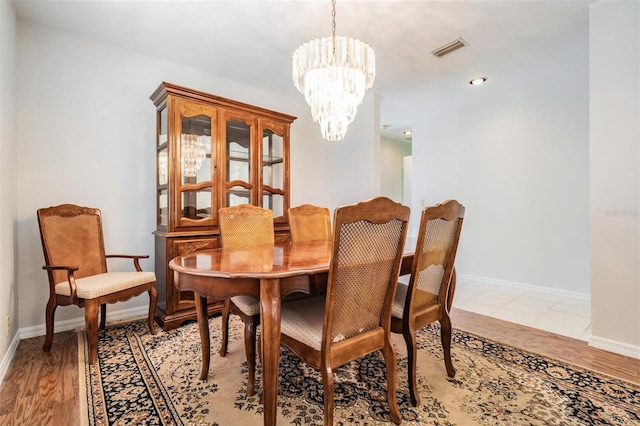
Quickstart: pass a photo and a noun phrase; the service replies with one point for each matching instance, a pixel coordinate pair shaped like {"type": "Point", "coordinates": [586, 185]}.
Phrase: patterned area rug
{"type": "Point", "coordinates": [142, 379]}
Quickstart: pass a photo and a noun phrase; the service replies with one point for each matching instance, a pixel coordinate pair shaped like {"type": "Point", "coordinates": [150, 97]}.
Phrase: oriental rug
{"type": "Point", "coordinates": [144, 379]}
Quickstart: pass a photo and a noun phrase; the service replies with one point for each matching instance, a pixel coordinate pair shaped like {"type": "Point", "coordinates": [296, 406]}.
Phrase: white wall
{"type": "Point", "coordinates": [516, 155]}
{"type": "Point", "coordinates": [86, 130]}
{"type": "Point", "coordinates": [392, 155]}
{"type": "Point", "coordinates": [8, 281]}
{"type": "Point", "coordinates": [615, 180]}
{"type": "Point", "coordinates": [355, 160]}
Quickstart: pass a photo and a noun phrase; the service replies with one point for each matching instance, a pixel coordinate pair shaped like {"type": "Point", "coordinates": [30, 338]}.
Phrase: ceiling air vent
{"type": "Point", "coordinates": [449, 47]}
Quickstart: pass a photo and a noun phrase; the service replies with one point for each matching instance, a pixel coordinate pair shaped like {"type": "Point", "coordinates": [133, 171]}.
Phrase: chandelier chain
{"type": "Point", "coordinates": [333, 25]}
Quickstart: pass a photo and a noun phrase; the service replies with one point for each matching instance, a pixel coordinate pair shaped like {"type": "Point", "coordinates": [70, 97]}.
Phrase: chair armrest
{"type": "Point", "coordinates": [70, 279]}
{"type": "Point", "coordinates": [135, 258]}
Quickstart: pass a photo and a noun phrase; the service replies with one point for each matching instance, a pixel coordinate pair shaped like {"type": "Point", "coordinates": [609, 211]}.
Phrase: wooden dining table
{"type": "Point", "coordinates": [267, 273]}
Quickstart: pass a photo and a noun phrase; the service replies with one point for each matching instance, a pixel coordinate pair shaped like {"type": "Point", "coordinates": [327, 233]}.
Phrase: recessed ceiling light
{"type": "Point", "coordinates": [407, 133]}
{"type": "Point", "coordinates": [477, 81]}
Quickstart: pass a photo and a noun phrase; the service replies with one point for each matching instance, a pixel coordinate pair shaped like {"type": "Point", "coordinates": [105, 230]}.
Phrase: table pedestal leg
{"type": "Point", "coordinates": [203, 326]}
{"type": "Point", "coordinates": [270, 343]}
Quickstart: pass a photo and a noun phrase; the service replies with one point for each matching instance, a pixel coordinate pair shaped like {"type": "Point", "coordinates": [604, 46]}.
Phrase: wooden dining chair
{"type": "Point", "coordinates": [76, 264]}
{"type": "Point", "coordinates": [309, 223]}
{"type": "Point", "coordinates": [353, 319]}
{"type": "Point", "coordinates": [244, 226]}
{"type": "Point", "coordinates": [428, 294]}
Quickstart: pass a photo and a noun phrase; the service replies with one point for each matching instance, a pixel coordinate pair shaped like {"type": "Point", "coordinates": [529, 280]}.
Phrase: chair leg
{"type": "Point", "coordinates": [259, 348]}
{"type": "Point", "coordinates": [327, 384]}
{"type": "Point", "coordinates": [390, 361]}
{"type": "Point", "coordinates": [250, 325]}
{"type": "Point", "coordinates": [226, 308]}
{"type": "Point", "coordinates": [445, 337]}
{"type": "Point", "coordinates": [103, 316]}
{"type": "Point", "coordinates": [412, 355]}
{"type": "Point", "coordinates": [153, 303]}
{"type": "Point", "coordinates": [91, 323]}
{"type": "Point", "coordinates": [49, 316]}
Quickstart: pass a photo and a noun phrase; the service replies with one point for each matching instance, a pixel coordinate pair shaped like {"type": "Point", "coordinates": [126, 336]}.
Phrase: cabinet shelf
{"type": "Point", "coordinates": [238, 156]}
{"type": "Point", "coordinates": [269, 160]}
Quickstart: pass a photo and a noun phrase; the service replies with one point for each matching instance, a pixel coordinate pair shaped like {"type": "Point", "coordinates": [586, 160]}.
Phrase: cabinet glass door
{"type": "Point", "coordinates": [197, 162]}
{"type": "Point", "coordinates": [239, 182]}
{"type": "Point", "coordinates": [273, 169]}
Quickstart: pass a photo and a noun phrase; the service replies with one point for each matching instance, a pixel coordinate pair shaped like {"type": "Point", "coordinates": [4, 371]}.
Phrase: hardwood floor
{"type": "Point", "coordinates": [42, 389]}
{"type": "Point", "coordinates": [572, 351]}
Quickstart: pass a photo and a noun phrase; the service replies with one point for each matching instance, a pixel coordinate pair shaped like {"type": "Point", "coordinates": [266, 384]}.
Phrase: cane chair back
{"type": "Point", "coordinates": [74, 238]}
{"type": "Point", "coordinates": [245, 226]}
{"type": "Point", "coordinates": [353, 319]}
{"type": "Point", "coordinates": [428, 294]}
{"type": "Point", "coordinates": [361, 276]}
{"type": "Point", "coordinates": [309, 223]}
{"type": "Point", "coordinates": [76, 264]}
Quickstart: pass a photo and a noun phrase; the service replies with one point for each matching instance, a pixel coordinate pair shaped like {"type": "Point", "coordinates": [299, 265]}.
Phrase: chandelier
{"type": "Point", "coordinates": [194, 151]}
{"type": "Point", "coordinates": [334, 73]}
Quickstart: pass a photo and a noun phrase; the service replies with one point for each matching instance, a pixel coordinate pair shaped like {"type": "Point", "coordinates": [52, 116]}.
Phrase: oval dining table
{"type": "Point", "coordinates": [267, 273]}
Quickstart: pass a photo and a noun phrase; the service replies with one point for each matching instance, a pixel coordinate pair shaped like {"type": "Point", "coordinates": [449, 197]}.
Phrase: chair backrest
{"type": "Point", "coordinates": [309, 223]}
{"type": "Point", "coordinates": [436, 248]}
{"type": "Point", "coordinates": [72, 236]}
{"type": "Point", "coordinates": [365, 261]}
{"type": "Point", "coordinates": [245, 225]}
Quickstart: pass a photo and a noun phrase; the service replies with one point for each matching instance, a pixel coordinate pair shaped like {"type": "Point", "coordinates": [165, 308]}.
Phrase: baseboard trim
{"type": "Point", "coordinates": [528, 287]}
{"type": "Point", "coordinates": [614, 346]}
{"type": "Point", "coordinates": [78, 323]}
{"type": "Point", "coordinates": [8, 357]}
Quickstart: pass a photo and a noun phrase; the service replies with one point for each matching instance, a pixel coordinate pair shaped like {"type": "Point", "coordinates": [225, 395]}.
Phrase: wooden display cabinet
{"type": "Point", "coordinates": [211, 152]}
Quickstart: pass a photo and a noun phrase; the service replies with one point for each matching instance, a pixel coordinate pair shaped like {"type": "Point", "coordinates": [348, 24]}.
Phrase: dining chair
{"type": "Point", "coordinates": [353, 319]}
{"type": "Point", "coordinates": [309, 223]}
{"type": "Point", "coordinates": [76, 264]}
{"type": "Point", "coordinates": [244, 226]}
{"type": "Point", "coordinates": [428, 294]}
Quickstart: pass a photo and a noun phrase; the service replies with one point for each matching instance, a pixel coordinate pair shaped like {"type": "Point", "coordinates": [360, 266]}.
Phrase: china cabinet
{"type": "Point", "coordinates": [211, 152]}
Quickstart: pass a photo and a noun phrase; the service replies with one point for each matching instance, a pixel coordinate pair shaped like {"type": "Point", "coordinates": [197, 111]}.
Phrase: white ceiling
{"type": "Point", "coordinates": [252, 41]}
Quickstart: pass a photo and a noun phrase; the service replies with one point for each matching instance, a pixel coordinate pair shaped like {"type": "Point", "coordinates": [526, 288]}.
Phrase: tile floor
{"type": "Point", "coordinates": [556, 313]}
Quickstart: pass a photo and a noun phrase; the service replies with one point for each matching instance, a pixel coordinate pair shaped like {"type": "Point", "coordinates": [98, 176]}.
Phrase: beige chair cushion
{"type": "Point", "coordinates": [422, 299]}
{"type": "Point", "coordinates": [107, 283]}
{"type": "Point", "coordinates": [246, 304]}
{"type": "Point", "coordinates": [302, 320]}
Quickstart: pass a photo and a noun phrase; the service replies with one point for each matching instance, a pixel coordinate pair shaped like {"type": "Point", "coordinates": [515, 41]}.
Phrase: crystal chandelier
{"type": "Point", "coordinates": [194, 151]}
{"type": "Point", "coordinates": [334, 73]}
